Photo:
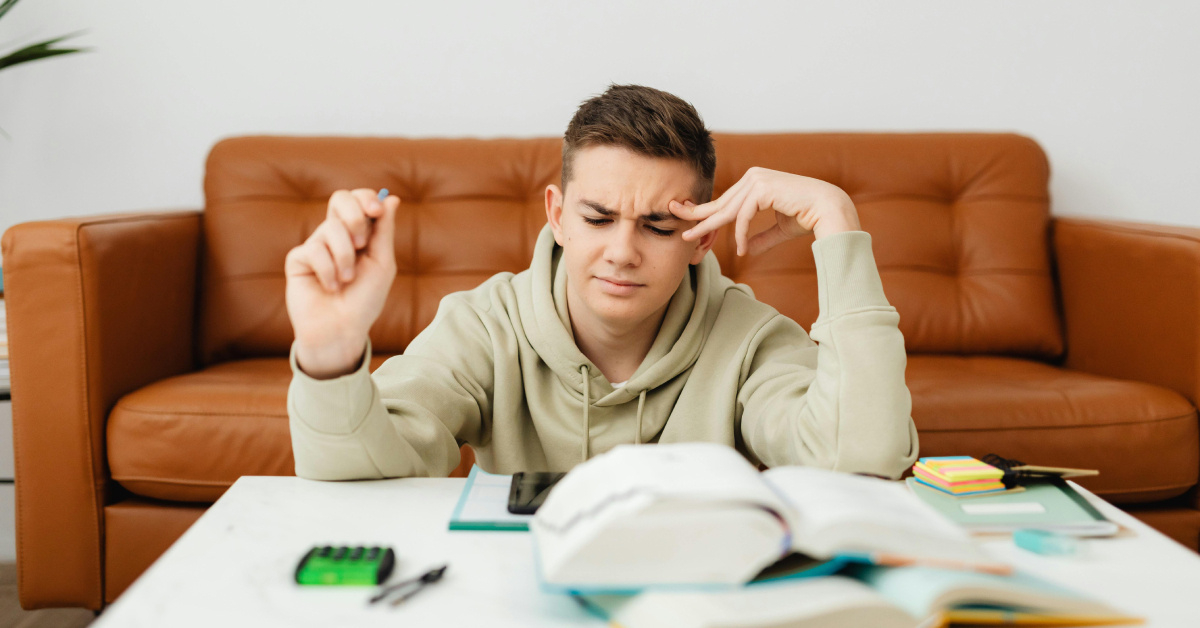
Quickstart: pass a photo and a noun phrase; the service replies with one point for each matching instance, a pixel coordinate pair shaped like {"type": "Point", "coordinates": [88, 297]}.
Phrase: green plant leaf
{"type": "Point", "coordinates": [5, 6]}
{"type": "Point", "coordinates": [37, 51]}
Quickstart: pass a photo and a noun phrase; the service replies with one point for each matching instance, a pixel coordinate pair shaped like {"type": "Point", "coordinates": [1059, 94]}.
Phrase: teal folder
{"type": "Point", "coordinates": [483, 505]}
{"type": "Point", "coordinates": [1046, 505]}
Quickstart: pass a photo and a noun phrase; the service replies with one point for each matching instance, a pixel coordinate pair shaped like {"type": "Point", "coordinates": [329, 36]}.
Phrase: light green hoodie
{"type": "Point", "coordinates": [498, 368]}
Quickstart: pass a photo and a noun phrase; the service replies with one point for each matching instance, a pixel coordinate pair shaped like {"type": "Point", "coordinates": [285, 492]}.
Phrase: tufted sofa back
{"type": "Point", "coordinates": [959, 224]}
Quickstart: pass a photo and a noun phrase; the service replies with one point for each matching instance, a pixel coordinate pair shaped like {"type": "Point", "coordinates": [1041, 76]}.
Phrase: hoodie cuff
{"type": "Point", "coordinates": [847, 277]}
{"type": "Point", "coordinates": [331, 406]}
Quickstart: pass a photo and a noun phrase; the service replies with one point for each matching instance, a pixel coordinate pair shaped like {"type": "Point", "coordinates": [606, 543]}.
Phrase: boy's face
{"type": "Point", "coordinates": [624, 253]}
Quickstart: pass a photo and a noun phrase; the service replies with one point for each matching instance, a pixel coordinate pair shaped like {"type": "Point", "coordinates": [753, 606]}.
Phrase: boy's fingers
{"type": "Point", "coordinates": [317, 258]}
{"type": "Point", "coordinates": [368, 199]}
{"type": "Point", "coordinates": [382, 245]}
{"type": "Point", "coordinates": [692, 212]}
{"type": "Point", "coordinates": [709, 224]}
{"type": "Point", "coordinates": [337, 239]}
{"type": "Point", "coordinates": [741, 231]}
{"type": "Point", "coordinates": [354, 220]}
{"type": "Point", "coordinates": [767, 239]}
{"type": "Point", "coordinates": [725, 213]}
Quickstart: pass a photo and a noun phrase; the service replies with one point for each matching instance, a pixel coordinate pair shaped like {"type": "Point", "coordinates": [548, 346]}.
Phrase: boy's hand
{"type": "Point", "coordinates": [802, 205]}
{"type": "Point", "coordinates": [338, 281]}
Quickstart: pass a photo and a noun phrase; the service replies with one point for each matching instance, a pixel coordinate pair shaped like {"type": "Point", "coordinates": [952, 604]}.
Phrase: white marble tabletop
{"type": "Point", "coordinates": [234, 567]}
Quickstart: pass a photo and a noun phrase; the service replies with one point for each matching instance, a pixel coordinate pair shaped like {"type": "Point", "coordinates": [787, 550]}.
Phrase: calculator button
{"type": "Point", "coordinates": [357, 553]}
{"type": "Point", "coordinates": [340, 553]}
{"type": "Point", "coordinates": [373, 553]}
{"type": "Point", "coordinates": [326, 551]}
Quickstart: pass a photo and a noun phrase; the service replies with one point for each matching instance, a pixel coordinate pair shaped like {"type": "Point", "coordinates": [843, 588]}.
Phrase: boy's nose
{"type": "Point", "coordinates": [621, 248]}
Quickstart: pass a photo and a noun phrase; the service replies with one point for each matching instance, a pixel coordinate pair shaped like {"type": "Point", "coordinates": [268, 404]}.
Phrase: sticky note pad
{"type": "Point", "coordinates": [958, 475]}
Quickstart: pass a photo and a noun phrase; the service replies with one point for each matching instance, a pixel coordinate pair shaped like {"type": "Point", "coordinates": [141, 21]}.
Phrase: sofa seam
{"type": "Point", "coordinates": [181, 214]}
{"type": "Point", "coordinates": [1169, 487]}
{"type": "Point", "coordinates": [1085, 223]}
{"type": "Point", "coordinates": [175, 481]}
{"type": "Point", "coordinates": [223, 414]}
{"type": "Point", "coordinates": [1059, 427]}
{"type": "Point", "coordinates": [82, 305]}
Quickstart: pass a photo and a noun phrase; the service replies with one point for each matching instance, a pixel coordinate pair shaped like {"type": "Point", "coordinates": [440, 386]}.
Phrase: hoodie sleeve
{"type": "Point", "coordinates": [842, 403]}
{"type": "Point", "coordinates": [409, 417]}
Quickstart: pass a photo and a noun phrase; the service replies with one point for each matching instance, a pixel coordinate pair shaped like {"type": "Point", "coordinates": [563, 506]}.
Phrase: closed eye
{"type": "Point", "coordinates": [662, 232]}
{"type": "Point", "coordinates": [599, 222]}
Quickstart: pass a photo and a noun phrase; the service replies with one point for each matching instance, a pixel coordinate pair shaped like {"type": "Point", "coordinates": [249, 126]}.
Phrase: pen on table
{"type": "Point", "coordinates": [409, 587]}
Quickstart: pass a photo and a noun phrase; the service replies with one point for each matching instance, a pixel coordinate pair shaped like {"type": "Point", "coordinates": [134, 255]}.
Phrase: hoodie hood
{"type": "Point", "coordinates": [680, 339]}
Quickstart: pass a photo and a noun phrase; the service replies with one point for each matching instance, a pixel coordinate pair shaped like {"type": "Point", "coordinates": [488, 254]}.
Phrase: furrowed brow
{"type": "Point", "coordinates": [599, 209]}
{"type": "Point", "coordinates": [659, 217]}
{"type": "Point", "coordinates": [612, 213]}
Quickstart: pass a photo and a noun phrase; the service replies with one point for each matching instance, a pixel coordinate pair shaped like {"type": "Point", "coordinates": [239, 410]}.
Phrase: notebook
{"type": "Point", "coordinates": [483, 505]}
{"type": "Point", "coordinates": [880, 597]}
{"type": "Point", "coordinates": [1050, 505]}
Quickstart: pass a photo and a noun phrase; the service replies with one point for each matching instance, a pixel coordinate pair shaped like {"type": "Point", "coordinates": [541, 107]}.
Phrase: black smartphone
{"type": "Point", "coordinates": [529, 490]}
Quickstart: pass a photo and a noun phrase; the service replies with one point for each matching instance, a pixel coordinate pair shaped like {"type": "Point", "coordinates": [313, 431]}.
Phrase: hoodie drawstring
{"type": "Point", "coordinates": [587, 402]}
{"type": "Point", "coordinates": [587, 419]}
{"type": "Point", "coordinates": [637, 440]}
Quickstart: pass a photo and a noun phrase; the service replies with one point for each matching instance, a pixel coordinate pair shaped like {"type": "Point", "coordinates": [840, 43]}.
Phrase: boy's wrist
{"type": "Point", "coordinates": [329, 361]}
{"type": "Point", "coordinates": [841, 217]}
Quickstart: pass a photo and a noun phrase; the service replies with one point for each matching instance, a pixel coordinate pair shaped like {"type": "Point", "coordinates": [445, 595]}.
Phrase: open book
{"type": "Point", "coordinates": [700, 514]}
{"type": "Point", "coordinates": [881, 597]}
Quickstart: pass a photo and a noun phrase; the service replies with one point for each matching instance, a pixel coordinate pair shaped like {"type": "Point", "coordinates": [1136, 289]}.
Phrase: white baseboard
{"type": "Point", "coordinates": [8, 523]}
{"type": "Point", "coordinates": [6, 441]}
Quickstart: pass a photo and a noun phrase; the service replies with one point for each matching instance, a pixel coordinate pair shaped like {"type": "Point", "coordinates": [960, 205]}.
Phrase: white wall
{"type": "Point", "coordinates": [1110, 89]}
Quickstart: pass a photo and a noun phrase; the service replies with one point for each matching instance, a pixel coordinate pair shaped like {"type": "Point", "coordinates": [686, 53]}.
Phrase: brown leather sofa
{"type": "Point", "coordinates": [149, 351]}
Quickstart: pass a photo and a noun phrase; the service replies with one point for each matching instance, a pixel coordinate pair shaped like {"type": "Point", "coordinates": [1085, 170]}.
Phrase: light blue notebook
{"type": "Point", "coordinates": [1048, 506]}
{"type": "Point", "coordinates": [483, 505]}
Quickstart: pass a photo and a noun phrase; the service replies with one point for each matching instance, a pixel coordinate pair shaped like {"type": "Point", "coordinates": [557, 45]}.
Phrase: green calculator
{"type": "Point", "coordinates": [352, 566]}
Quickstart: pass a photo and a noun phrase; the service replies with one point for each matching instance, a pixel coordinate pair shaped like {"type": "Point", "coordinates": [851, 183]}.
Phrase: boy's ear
{"type": "Point", "coordinates": [554, 212]}
{"type": "Point", "coordinates": [703, 246]}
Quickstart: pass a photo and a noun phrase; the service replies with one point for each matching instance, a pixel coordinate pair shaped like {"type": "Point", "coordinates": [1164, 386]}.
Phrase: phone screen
{"type": "Point", "coordinates": [529, 490]}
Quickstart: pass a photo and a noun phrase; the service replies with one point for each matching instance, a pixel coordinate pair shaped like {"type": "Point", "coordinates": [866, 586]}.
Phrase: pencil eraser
{"type": "Point", "coordinates": [1045, 542]}
{"type": "Point", "coordinates": [383, 194]}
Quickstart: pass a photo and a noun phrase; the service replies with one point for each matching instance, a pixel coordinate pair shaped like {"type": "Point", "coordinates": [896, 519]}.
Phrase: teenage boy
{"type": "Point", "coordinates": [622, 330]}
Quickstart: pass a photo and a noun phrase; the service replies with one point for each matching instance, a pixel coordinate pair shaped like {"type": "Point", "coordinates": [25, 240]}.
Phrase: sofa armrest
{"type": "Point", "coordinates": [1131, 300]}
{"type": "Point", "coordinates": [97, 307]}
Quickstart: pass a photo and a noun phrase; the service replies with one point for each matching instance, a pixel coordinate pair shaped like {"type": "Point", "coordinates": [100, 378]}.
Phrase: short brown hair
{"type": "Point", "coordinates": [647, 121]}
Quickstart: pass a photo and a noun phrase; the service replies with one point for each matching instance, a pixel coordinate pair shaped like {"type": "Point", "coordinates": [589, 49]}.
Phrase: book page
{"type": "Point", "coordinates": [923, 591]}
{"type": "Point", "coordinates": [701, 471]}
{"type": "Point", "coordinates": [834, 513]}
{"type": "Point", "coordinates": [832, 601]}
{"type": "Point", "coordinates": [634, 514]}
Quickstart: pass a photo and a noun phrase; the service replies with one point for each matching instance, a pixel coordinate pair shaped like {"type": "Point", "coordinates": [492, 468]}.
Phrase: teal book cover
{"type": "Point", "coordinates": [483, 505]}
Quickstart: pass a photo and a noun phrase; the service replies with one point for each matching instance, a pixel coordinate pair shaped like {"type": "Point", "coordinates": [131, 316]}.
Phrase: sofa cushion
{"type": "Point", "coordinates": [190, 437]}
{"type": "Point", "coordinates": [1144, 439]}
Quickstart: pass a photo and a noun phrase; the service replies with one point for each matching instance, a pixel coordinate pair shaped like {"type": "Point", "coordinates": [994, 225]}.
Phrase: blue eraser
{"type": "Point", "coordinates": [383, 194]}
{"type": "Point", "coordinates": [1045, 542]}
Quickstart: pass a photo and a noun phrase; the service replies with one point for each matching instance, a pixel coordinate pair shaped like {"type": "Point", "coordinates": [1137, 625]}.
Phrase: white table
{"type": "Point", "coordinates": [234, 567]}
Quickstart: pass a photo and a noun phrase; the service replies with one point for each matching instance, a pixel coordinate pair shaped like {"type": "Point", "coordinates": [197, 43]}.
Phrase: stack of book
{"type": "Point", "coordinates": [959, 475]}
{"type": "Point", "coordinates": [691, 535]}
